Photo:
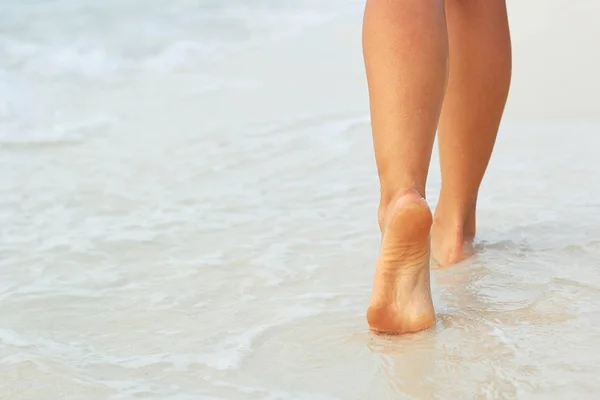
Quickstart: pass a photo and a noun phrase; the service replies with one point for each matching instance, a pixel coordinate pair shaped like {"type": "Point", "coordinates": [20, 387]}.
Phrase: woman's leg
{"type": "Point", "coordinates": [480, 70]}
{"type": "Point", "coordinates": [405, 48]}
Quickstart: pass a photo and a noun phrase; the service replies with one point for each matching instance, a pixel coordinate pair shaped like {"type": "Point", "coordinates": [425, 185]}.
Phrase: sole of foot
{"type": "Point", "coordinates": [401, 301]}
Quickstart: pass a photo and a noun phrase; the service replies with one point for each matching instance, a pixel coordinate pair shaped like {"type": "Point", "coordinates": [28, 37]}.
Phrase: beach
{"type": "Point", "coordinates": [188, 210]}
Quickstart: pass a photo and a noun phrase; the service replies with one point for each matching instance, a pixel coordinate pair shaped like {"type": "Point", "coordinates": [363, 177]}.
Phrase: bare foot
{"type": "Point", "coordinates": [451, 244]}
{"type": "Point", "coordinates": [401, 301]}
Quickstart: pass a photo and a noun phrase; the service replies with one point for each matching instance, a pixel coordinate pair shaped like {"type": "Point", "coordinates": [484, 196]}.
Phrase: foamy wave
{"type": "Point", "coordinates": [231, 352]}
{"type": "Point", "coordinates": [128, 42]}
{"type": "Point", "coordinates": [95, 61]}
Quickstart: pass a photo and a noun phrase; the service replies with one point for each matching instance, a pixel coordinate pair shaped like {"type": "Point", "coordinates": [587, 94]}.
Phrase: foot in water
{"type": "Point", "coordinates": [401, 301]}
{"type": "Point", "coordinates": [452, 243]}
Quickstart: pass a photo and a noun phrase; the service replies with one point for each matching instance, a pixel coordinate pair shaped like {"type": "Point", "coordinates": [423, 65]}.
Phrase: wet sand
{"type": "Point", "coordinates": [181, 226]}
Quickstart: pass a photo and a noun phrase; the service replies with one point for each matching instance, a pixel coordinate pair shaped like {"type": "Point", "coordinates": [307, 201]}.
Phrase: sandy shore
{"type": "Point", "coordinates": [207, 230]}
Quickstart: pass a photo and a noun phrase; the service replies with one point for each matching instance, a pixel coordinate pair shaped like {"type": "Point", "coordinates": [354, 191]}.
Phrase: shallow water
{"type": "Point", "coordinates": [187, 211]}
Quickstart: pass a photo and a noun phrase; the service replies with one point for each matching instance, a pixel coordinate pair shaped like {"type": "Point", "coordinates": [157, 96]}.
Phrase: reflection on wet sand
{"type": "Point", "coordinates": [475, 341]}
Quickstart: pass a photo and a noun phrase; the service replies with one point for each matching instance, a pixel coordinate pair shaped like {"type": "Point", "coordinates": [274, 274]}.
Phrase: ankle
{"type": "Point", "coordinates": [456, 222]}
{"type": "Point", "coordinates": [389, 198]}
{"type": "Point", "coordinates": [448, 225]}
